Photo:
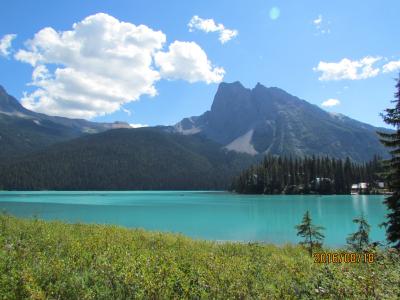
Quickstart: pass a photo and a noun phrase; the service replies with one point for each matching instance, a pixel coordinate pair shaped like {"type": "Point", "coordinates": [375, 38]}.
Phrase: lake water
{"type": "Point", "coordinates": [205, 215]}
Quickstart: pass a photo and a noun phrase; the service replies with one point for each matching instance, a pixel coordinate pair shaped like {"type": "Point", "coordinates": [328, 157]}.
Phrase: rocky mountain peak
{"type": "Point", "coordinates": [269, 120]}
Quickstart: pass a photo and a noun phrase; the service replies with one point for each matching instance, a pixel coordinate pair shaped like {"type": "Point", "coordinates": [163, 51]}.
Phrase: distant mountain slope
{"type": "Point", "coordinates": [23, 131]}
{"type": "Point", "coordinates": [146, 158]}
{"type": "Point", "coordinates": [43, 152]}
{"type": "Point", "coordinates": [271, 121]}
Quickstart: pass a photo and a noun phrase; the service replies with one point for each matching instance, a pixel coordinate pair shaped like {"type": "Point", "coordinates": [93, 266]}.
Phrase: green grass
{"type": "Point", "coordinates": [54, 260]}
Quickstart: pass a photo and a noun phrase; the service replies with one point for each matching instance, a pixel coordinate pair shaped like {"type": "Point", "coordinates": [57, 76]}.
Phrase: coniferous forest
{"type": "Point", "coordinates": [320, 175]}
{"type": "Point", "coordinates": [126, 159]}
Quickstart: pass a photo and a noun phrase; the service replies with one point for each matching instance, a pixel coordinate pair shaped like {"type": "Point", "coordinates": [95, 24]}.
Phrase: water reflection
{"type": "Point", "coordinates": [319, 207]}
{"type": "Point", "coordinates": [360, 204]}
{"type": "Point", "coordinates": [355, 200]}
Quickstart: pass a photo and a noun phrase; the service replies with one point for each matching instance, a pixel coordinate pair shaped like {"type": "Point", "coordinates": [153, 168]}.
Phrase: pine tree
{"type": "Point", "coordinates": [359, 240]}
{"type": "Point", "coordinates": [311, 233]}
{"type": "Point", "coordinates": [392, 140]}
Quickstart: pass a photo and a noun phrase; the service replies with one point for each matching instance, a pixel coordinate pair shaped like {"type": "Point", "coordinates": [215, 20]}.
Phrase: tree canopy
{"type": "Point", "coordinates": [312, 234]}
{"type": "Point", "coordinates": [323, 175]}
{"type": "Point", "coordinates": [392, 167]}
{"type": "Point", "coordinates": [359, 240]}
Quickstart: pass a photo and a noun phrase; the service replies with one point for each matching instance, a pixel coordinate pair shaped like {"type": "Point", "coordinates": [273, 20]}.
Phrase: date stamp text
{"type": "Point", "coordinates": [343, 257]}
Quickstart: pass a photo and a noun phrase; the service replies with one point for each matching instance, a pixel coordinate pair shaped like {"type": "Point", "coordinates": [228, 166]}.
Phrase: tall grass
{"type": "Point", "coordinates": [54, 260]}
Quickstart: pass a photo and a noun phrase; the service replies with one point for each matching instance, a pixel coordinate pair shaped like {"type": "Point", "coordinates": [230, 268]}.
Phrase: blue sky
{"type": "Point", "coordinates": [346, 52]}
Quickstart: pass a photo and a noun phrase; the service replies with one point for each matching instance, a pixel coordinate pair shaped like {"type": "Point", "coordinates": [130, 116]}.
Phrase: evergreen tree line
{"type": "Point", "coordinates": [323, 175]}
{"type": "Point", "coordinates": [124, 159]}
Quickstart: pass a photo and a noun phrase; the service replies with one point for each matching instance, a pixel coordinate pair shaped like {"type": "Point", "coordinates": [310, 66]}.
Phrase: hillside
{"type": "Point", "coordinates": [145, 158]}
{"type": "Point", "coordinates": [206, 152]}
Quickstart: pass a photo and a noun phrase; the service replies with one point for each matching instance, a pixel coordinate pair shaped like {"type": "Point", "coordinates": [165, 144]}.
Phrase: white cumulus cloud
{"type": "Point", "coordinates": [330, 102]}
{"type": "Point", "coordinates": [348, 69]}
{"type": "Point", "coordinates": [100, 65]}
{"type": "Point", "coordinates": [186, 60]}
{"type": "Point", "coordinates": [5, 44]}
{"type": "Point", "coordinates": [209, 25]}
{"type": "Point", "coordinates": [95, 68]}
{"type": "Point", "coordinates": [391, 66]}
{"type": "Point", "coordinates": [138, 125]}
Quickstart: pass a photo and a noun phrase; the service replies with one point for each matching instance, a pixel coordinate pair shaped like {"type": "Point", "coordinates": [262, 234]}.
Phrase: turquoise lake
{"type": "Point", "coordinates": [218, 216]}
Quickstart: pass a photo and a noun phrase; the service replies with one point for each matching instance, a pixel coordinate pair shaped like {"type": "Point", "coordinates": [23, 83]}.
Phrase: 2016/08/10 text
{"type": "Point", "coordinates": [343, 257]}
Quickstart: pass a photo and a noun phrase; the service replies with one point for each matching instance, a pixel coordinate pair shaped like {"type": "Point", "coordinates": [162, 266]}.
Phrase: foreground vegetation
{"type": "Point", "coordinates": [41, 260]}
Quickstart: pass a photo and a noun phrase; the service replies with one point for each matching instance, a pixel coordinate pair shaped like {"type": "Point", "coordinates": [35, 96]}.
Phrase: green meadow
{"type": "Point", "coordinates": [55, 260]}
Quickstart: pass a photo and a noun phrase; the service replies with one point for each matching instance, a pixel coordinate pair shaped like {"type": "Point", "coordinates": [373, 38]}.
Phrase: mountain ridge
{"type": "Point", "coordinates": [23, 131]}
{"type": "Point", "coordinates": [271, 121]}
{"type": "Point", "coordinates": [257, 121]}
{"type": "Point", "coordinates": [201, 152]}
{"type": "Point", "coordinates": [10, 105]}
